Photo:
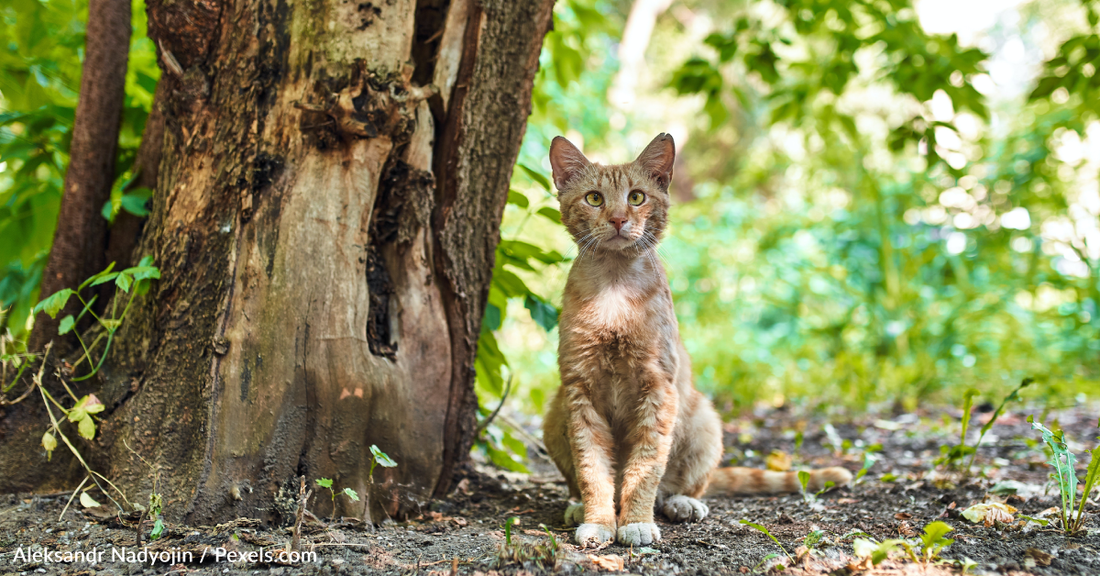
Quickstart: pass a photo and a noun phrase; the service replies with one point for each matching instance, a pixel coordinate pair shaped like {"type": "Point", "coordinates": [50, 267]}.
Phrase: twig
{"type": "Point", "coordinates": [75, 492]}
{"type": "Point", "coordinates": [303, 497]}
{"type": "Point", "coordinates": [485, 423]}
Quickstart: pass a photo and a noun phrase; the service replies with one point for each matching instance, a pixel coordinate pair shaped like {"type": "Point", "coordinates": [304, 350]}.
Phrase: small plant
{"type": "Point", "coordinates": [808, 497]}
{"type": "Point", "coordinates": [378, 458]}
{"type": "Point", "coordinates": [768, 533]}
{"type": "Point", "coordinates": [327, 483]}
{"type": "Point", "coordinates": [547, 555]}
{"type": "Point", "coordinates": [137, 277]}
{"type": "Point", "coordinates": [1015, 395]}
{"type": "Point", "coordinates": [952, 456]}
{"type": "Point", "coordinates": [1064, 463]}
{"type": "Point", "coordinates": [925, 549]}
{"type": "Point", "coordinates": [869, 460]}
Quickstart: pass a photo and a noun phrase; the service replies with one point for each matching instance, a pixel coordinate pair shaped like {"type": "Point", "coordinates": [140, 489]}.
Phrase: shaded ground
{"type": "Point", "coordinates": [896, 499]}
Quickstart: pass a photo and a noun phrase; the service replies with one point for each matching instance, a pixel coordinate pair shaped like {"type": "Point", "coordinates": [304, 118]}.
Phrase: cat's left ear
{"type": "Point", "coordinates": [657, 159]}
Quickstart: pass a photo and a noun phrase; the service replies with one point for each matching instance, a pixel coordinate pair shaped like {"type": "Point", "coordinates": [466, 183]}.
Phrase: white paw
{"type": "Point", "coordinates": [639, 534]}
{"type": "Point", "coordinates": [574, 515]}
{"type": "Point", "coordinates": [593, 535]}
{"type": "Point", "coordinates": [681, 508]}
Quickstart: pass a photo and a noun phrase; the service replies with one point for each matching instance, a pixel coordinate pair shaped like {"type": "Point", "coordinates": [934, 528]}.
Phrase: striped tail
{"type": "Point", "coordinates": [736, 480]}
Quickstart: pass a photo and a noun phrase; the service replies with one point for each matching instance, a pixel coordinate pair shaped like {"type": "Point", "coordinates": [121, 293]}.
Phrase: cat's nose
{"type": "Point", "coordinates": [617, 222]}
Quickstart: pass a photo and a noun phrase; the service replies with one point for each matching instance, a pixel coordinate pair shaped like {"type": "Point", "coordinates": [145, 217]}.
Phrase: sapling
{"type": "Point", "coordinates": [1064, 463]}
{"type": "Point", "coordinates": [378, 458]}
{"type": "Point", "coordinates": [327, 483]}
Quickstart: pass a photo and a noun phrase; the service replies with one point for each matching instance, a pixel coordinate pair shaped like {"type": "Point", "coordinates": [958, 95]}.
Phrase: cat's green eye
{"type": "Point", "coordinates": [636, 198]}
{"type": "Point", "coordinates": [594, 199]}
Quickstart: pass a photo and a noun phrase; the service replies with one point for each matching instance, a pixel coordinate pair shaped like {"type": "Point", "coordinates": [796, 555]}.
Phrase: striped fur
{"type": "Point", "coordinates": [627, 428]}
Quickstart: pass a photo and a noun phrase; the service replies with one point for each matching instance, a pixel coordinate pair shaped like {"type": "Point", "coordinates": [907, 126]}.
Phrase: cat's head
{"type": "Point", "coordinates": [614, 208]}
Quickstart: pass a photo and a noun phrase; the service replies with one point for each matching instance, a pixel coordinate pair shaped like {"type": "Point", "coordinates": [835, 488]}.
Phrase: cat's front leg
{"type": "Point", "coordinates": [648, 456]}
{"type": "Point", "coordinates": [590, 439]}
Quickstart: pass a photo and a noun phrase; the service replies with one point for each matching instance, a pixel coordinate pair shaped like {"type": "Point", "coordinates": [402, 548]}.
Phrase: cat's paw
{"type": "Point", "coordinates": [639, 534]}
{"type": "Point", "coordinates": [574, 514]}
{"type": "Point", "coordinates": [681, 508]}
{"type": "Point", "coordinates": [593, 535]}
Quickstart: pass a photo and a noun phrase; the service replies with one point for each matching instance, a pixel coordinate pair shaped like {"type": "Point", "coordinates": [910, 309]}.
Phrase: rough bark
{"type": "Point", "coordinates": [325, 220]}
{"type": "Point", "coordinates": [81, 236]}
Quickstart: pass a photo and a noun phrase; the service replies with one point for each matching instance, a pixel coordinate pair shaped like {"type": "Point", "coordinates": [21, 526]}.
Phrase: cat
{"type": "Point", "coordinates": [627, 428]}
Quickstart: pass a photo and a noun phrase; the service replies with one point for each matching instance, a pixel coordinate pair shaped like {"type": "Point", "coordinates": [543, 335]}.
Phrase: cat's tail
{"type": "Point", "coordinates": [736, 480]}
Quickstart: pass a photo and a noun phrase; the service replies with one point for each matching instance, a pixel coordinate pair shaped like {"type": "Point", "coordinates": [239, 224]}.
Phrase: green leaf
{"type": "Point", "coordinates": [381, 457]}
{"type": "Point", "coordinates": [92, 280]}
{"type": "Point", "coordinates": [804, 479]}
{"type": "Point", "coordinates": [86, 427]}
{"type": "Point", "coordinates": [158, 529]}
{"type": "Point", "coordinates": [124, 281]}
{"type": "Point", "coordinates": [517, 198]}
{"type": "Point", "coordinates": [54, 303]}
{"type": "Point", "coordinates": [543, 313]}
{"type": "Point", "coordinates": [104, 279]}
{"type": "Point", "coordinates": [66, 325]}
{"type": "Point", "coordinates": [351, 494]}
{"type": "Point", "coordinates": [538, 178]}
{"type": "Point", "coordinates": [552, 214]}
{"type": "Point", "coordinates": [143, 272]}
{"type": "Point", "coordinates": [135, 202]}
{"type": "Point", "coordinates": [324, 482]}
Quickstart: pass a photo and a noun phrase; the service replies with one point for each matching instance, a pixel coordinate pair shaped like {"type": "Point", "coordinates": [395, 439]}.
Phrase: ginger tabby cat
{"type": "Point", "coordinates": [627, 428]}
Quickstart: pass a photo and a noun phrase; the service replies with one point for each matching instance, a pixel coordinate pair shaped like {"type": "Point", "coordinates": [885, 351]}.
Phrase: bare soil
{"type": "Point", "coordinates": [464, 534]}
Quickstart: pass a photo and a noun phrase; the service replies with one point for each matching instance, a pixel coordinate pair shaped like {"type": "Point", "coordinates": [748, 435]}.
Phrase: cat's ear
{"type": "Point", "coordinates": [657, 159]}
{"type": "Point", "coordinates": [566, 161]}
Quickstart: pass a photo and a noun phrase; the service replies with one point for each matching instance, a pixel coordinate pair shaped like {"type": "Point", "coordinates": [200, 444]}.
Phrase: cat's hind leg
{"type": "Point", "coordinates": [696, 450]}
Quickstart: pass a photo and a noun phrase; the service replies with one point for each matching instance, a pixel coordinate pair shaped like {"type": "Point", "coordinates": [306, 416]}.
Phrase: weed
{"type": "Point", "coordinates": [378, 458]}
{"type": "Point", "coordinates": [327, 483]}
{"type": "Point", "coordinates": [808, 497]}
{"type": "Point", "coordinates": [925, 549]}
{"type": "Point", "coordinates": [769, 535]}
{"type": "Point", "coordinates": [869, 460]}
{"type": "Point", "coordinates": [1064, 463]}
{"type": "Point", "coordinates": [137, 277]}
{"type": "Point", "coordinates": [1015, 395]}
{"type": "Point", "coordinates": [545, 554]}
{"type": "Point", "coordinates": [952, 456]}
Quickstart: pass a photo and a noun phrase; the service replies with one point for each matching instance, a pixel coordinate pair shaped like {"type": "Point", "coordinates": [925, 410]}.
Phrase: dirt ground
{"type": "Point", "coordinates": [464, 534]}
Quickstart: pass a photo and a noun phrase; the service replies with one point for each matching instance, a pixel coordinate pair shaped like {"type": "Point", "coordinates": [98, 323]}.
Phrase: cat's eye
{"type": "Point", "coordinates": [594, 199]}
{"type": "Point", "coordinates": [636, 198]}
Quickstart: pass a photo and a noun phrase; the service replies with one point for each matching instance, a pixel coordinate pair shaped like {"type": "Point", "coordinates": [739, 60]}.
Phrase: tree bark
{"type": "Point", "coordinates": [81, 236]}
{"type": "Point", "coordinates": [325, 219]}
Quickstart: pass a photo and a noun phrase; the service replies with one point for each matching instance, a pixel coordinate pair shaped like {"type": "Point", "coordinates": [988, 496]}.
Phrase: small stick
{"type": "Point", "coordinates": [303, 497]}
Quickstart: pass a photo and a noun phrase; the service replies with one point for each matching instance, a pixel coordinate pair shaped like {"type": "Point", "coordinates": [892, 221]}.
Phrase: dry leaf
{"type": "Point", "coordinates": [610, 563]}
{"type": "Point", "coordinates": [906, 530]}
{"type": "Point", "coordinates": [990, 512]}
{"type": "Point", "coordinates": [778, 461]}
{"type": "Point", "coordinates": [903, 516]}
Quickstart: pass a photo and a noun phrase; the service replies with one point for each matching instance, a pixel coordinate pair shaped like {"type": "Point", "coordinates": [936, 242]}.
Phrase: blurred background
{"type": "Point", "coordinates": [877, 203]}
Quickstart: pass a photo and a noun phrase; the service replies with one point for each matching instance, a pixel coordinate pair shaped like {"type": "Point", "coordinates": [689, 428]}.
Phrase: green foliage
{"type": "Point", "coordinates": [136, 277]}
{"type": "Point", "coordinates": [40, 70]}
{"type": "Point", "coordinates": [766, 532]}
{"type": "Point", "coordinates": [1064, 463]}
{"type": "Point", "coordinates": [924, 549]}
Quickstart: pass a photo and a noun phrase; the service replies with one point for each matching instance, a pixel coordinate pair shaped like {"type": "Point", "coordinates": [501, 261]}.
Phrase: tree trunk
{"type": "Point", "coordinates": [81, 236]}
{"type": "Point", "coordinates": [325, 218]}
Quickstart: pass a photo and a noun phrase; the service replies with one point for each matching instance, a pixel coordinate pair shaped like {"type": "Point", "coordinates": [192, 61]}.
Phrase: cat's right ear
{"type": "Point", "coordinates": [566, 161]}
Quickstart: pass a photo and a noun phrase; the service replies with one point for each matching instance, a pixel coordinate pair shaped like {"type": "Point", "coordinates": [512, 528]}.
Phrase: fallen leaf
{"type": "Point", "coordinates": [87, 501]}
{"type": "Point", "coordinates": [887, 425]}
{"type": "Point", "coordinates": [903, 516]}
{"type": "Point", "coordinates": [847, 501]}
{"type": "Point", "coordinates": [778, 461]}
{"type": "Point", "coordinates": [989, 512]}
{"type": "Point", "coordinates": [610, 563]}
{"type": "Point", "coordinates": [1041, 558]}
{"type": "Point", "coordinates": [906, 530]}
